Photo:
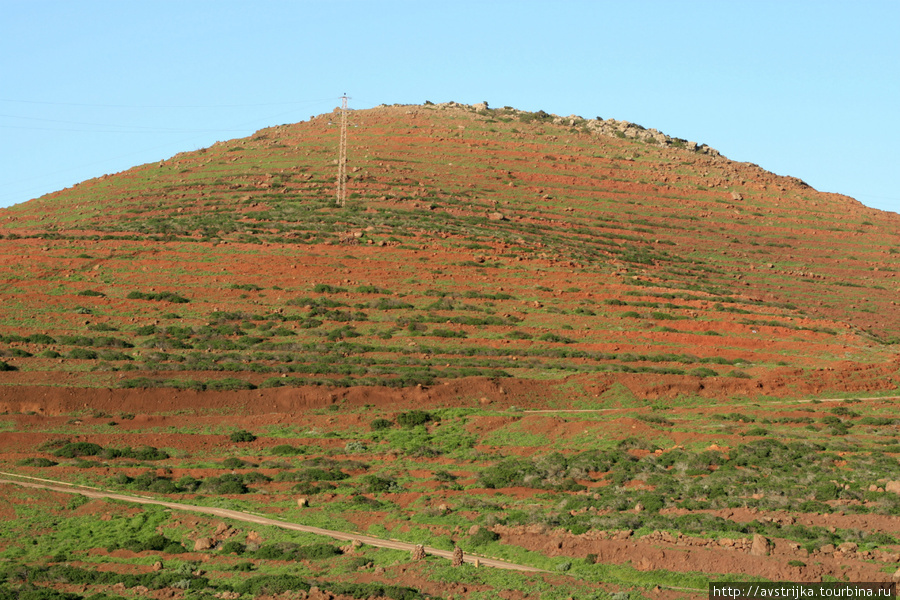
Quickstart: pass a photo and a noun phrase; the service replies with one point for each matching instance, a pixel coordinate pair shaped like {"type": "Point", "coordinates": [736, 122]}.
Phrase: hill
{"type": "Point", "coordinates": [613, 359]}
{"type": "Point", "coordinates": [477, 241]}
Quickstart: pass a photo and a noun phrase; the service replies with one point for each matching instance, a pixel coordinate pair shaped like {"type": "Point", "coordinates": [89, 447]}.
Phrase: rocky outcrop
{"type": "Point", "coordinates": [608, 127]}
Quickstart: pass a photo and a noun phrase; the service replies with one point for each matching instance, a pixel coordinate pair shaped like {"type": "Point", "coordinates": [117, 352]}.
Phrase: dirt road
{"type": "Point", "coordinates": [66, 488]}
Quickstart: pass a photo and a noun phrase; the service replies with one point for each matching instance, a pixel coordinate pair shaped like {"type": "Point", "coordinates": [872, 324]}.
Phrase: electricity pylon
{"type": "Point", "coordinates": [342, 158]}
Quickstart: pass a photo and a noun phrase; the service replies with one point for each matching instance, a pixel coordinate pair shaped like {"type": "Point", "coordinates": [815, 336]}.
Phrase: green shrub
{"type": "Point", "coordinates": [287, 450]}
{"type": "Point", "coordinates": [143, 453]}
{"type": "Point", "coordinates": [159, 296]}
{"type": "Point", "coordinates": [703, 372]}
{"type": "Point", "coordinates": [324, 288]}
{"type": "Point", "coordinates": [814, 506]}
{"type": "Point", "coordinates": [232, 547]}
{"type": "Point", "coordinates": [316, 551]}
{"type": "Point", "coordinates": [112, 355]}
{"type": "Point", "coordinates": [271, 585]}
{"type": "Point", "coordinates": [445, 477]}
{"type": "Point", "coordinates": [73, 449]}
{"type": "Point", "coordinates": [448, 333]}
{"type": "Point", "coordinates": [379, 424]}
{"type": "Point", "coordinates": [36, 461]}
{"type": "Point", "coordinates": [224, 484]}
{"type": "Point", "coordinates": [661, 316]}
{"type": "Point", "coordinates": [756, 431]}
{"type": "Point", "coordinates": [241, 435]}
{"type": "Point", "coordinates": [229, 383]}
{"type": "Point", "coordinates": [373, 483]}
{"type": "Point", "coordinates": [737, 374]}
{"type": "Point", "coordinates": [5, 366]}
{"type": "Point", "coordinates": [94, 293]}
{"type": "Point", "coordinates": [40, 338]}
{"type": "Point", "coordinates": [483, 536]}
{"type": "Point", "coordinates": [414, 417]}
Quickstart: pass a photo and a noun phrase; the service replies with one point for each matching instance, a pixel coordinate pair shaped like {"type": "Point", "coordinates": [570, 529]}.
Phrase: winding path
{"type": "Point", "coordinates": [67, 488]}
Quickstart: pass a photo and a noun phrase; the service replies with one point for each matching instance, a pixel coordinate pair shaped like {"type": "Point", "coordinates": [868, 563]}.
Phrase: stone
{"type": "Point", "coordinates": [736, 196]}
{"type": "Point", "coordinates": [204, 543]}
{"type": "Point", "coordinates": [302, 502]}
{"type": "Point", "coordinates": [418, 552]}
{"type": "Point", "coordinates": [496, 216]}
{"type": "Point", "coordinates": [458, 557]}
{"type": "Point", "coordinates": [848, 547]}
{"type": "Point", "coordinates": [760, 546]}
{"type": "Point", "coordinates": [157, 566]}
{"type": "Point", "coordinates": [892, 486]}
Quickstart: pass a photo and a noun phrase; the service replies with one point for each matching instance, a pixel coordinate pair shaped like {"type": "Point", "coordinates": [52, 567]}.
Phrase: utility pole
{"type": "Point", "coordinates": [342, 158]}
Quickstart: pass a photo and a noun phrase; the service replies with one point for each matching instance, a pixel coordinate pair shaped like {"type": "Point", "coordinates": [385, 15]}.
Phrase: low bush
{"type": "Point", "coordinates": [483, 536]}
{"type": "Point", "coordinates": [232, 547]}
{"type": "Point", "coordinates": [229, 383]}
{"type": "Point", "coordinates": [224, 484]}
{"type": "Point", "coordinates": [241, 435]}
{"type": "Point", "coordinates": [73, 449]}
{"type": "Point", "coordinates": [144, 453]}
{"type": "Point", "coordinates": [415, 417]}
{"type": "Point", "coordinates": [702, 372]}
{"type": "Point", "coordinates": [288, 450]}
{"type": "Point", "coordinates": [36, 461]}
{"type": "Point", "coordinates": [159, 296]}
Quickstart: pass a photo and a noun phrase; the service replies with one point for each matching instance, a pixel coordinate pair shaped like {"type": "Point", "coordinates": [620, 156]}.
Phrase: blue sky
{"type": "Point", "coordinates": [803, 88]}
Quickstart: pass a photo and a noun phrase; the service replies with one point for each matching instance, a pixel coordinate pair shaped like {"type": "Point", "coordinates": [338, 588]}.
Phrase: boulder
{"type": "Point", "coordinates": [760, 546]}
{"type": "Point", "coordinates": [204, 543]}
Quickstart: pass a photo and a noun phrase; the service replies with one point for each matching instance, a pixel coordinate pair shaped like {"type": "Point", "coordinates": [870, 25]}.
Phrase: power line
{"type": "Point", "coordinates": [163, 106]}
